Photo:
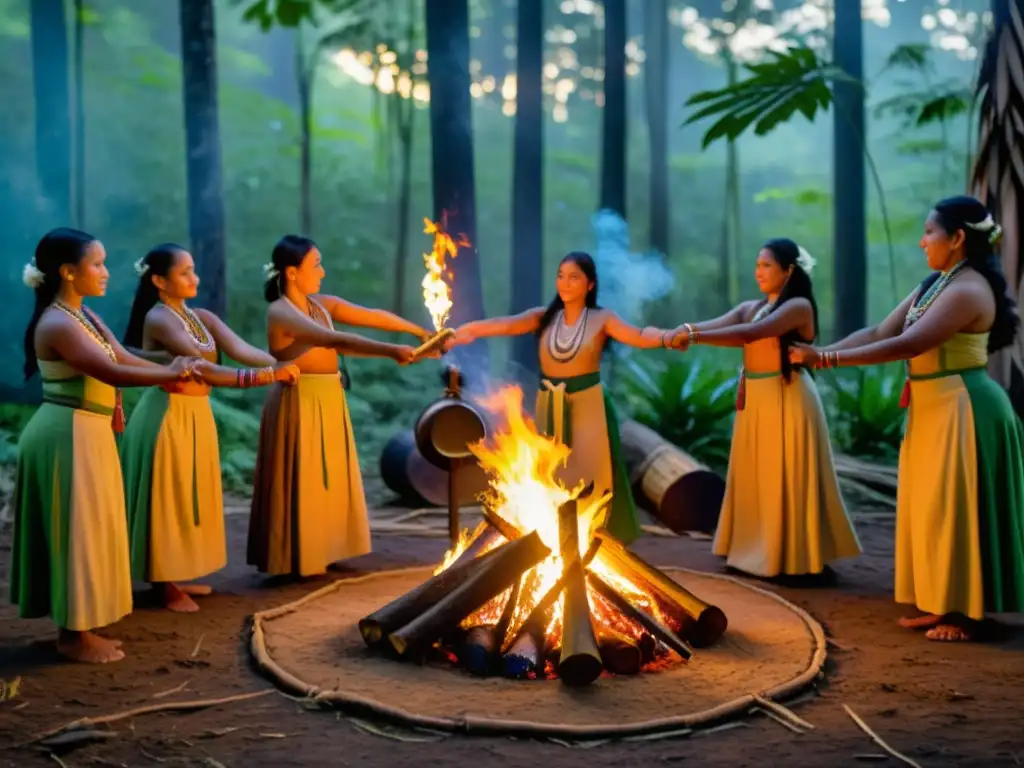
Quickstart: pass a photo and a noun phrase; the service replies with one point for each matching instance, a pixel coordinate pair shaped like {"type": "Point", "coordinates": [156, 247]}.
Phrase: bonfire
{"type": "Point", "coordinates": [540, 589]}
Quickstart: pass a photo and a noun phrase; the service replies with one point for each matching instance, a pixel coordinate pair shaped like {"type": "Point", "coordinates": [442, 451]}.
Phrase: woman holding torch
{"type": "Point", "coordinates": [308, 507]}
{"type": "Point", "coordinates": [572, 406]}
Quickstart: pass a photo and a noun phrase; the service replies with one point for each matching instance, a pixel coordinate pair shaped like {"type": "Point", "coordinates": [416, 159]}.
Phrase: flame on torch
{"type": "Point", "coordinates": [436, 292]}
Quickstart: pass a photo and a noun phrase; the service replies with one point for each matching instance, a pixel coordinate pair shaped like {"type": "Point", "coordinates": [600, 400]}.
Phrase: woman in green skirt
{"type": "Point", "coordinates": [70, 549]}
{"type": "Point", "coordinates": [170, 453]}
{"type": "Point", "coordinates": [572, 406]}
{"type": "Point", "coordinates": [960, 502]}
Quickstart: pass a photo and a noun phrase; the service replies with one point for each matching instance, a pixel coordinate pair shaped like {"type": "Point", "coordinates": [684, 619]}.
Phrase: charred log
{"type": "Point", "coordinates": [652, 625]}
{"type": "Point", "coordinates": [579, 663]}
{"type": "Point", "coordinates": [619, 654]}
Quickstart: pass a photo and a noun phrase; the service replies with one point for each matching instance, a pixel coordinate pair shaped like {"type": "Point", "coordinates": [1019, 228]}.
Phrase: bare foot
{"type": "Point", "coordinates": [920, 622]}
{"type": "Point", "coordinates": [196, 590]}
{"type": "Point", "coordinates": [948, 633]}
{"type": "Point", "coordinates": [88, 648]}
{"type": "Point", "coordinates": [176, 599]}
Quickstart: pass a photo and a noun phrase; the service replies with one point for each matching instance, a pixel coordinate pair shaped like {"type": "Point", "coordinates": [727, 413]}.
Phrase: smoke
{"type": "Point", "coordinates": [628, 280]}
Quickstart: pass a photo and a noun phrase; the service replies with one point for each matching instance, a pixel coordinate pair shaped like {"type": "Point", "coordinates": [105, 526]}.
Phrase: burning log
{"type": "Point", "coordinates": [619, 654]}
{"type": "Point", "coordinates": [700, 623]}
{"type": "Point", "coordinates": [580, 660]}
{"type": "Point", "coordinates": [375, 627]}
{"type": "Point", "coordinates": [503, 567]}
{"type": "Point", "coordinates": [648, 648]}
{"type": "Point", "coordinates": [652, 625]}
{"type": "Point", "coordinates": [478, 649]}
{"type": "Point", "coordinates": [434, 342]}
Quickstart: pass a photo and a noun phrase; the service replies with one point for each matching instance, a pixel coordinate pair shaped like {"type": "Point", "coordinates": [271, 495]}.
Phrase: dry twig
{"type": "Point", "coordinates": [169, 691]}
{"type": "Point", "coordinates": [877, 739]}
{"type": "Point", "coordinates": [199, 642]}
{"type": "Point", "coordinates": [782, 712]}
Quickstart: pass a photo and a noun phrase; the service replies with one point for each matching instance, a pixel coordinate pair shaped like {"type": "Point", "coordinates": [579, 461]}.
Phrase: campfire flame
{"type": "Point", "coordinates": [436, 292]}
{"type": "Point", "coordinates": [524, 490]}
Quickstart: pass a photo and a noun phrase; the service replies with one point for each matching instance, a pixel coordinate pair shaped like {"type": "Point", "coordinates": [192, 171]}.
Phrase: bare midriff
{"type": "Point", "coordinates": [762, 356]}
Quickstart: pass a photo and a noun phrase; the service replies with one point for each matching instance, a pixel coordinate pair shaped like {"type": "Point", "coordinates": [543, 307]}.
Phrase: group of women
{"type": "Point", "coordinates": [91, 515]}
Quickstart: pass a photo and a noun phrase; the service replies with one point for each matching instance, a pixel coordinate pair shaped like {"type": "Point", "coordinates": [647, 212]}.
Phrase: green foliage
{"type": "Point", "coordinates": [865, 417]}
{"type": "Point", "coordinates": [932, 103]}
{"type": "Point", "coordinates": [291, 13]}
{"type": "Point", "coordinates": [688, 401]}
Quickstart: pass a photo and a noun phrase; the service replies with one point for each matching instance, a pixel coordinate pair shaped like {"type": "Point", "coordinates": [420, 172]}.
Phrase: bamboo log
{"type": "Point", "coordinates": [652, 625]}
{"type": "Point", "coordinates": [619, 654]}
{"type": "Point", "coordinates": [580, 660]}
{"type": "Point", "coordinates": [506, 564]}
{"type": "Point", "coordinates": [434, 342]}
{"type": "Point", "coordinates": [400, 611]}
{"type": "Point", "coordinates": [701, 624]}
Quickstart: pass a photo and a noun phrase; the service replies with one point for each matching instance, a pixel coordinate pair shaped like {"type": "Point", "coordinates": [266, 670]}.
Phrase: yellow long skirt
{"type": "Point", "coordinates": [782, 512]}
{"type": "Point", "coordinates": [308, 507]}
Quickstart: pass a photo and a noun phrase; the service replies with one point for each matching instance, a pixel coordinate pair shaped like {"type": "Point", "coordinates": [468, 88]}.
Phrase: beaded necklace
{"type": "Point", "coordinates": [195, 327]}
{"type": "Point", "coordinates": [564, 341]}
{"type": "Point", "coordinates": [917, 310]}
{"type": "Point", "coordinates": [315, 312]}
{"type": "Point", "coordinates": [86, 324]}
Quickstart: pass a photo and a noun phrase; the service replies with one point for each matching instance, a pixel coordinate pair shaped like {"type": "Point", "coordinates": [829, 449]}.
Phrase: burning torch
{"type": "Point", "coordinates": [436, 292]}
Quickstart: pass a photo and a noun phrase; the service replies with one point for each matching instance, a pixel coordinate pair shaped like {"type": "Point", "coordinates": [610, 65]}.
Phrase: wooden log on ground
{"type": "Point", "coordinates": [478, 649]}
{"type": "Point", "coordinates": [408, 474]}
{"type": "Point", "coordinates": [680, 491]}
{"type": "Point", "coordinates": [505, 565]}
{"type": "Point", "coordinates": [651, 624]}
{"type": "Point", "coordinates": [378, 625]}
{"type": "Point", "coordinates": [619, 654]}
{"type": "Point", "coordinates": [524, 656]}
{"type": "Point", "coordinates": [701, 623]}
{"type": "Point", "coordinates": [579, 662]}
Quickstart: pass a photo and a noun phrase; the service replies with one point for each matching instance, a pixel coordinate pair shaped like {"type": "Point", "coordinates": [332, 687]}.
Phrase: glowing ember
{"type": "Point", "coordinates": [436, 292]}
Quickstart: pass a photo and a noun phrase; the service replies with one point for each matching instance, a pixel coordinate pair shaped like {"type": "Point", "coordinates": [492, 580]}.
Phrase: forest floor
{"type": "Point", "coordinates": [940, 704]}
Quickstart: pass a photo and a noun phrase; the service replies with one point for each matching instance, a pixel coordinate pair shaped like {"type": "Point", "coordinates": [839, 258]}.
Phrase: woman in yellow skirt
{"type": "Point", "coordinates": [308, 506]}
{"type": "Point", "coordinates": [70, 548]}
{"type": "Point", "coordinates": [170, 452]}
{"type": "Point", "coordinates": [783, 513]}
{"type": "Point", "coordinates": [960, 501]}
{"type": "Point", "coordinates": [572, 406]}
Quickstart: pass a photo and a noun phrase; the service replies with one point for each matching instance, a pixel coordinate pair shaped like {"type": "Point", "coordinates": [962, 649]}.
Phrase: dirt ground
{"type": "Point", "coordinates": [939, 704]}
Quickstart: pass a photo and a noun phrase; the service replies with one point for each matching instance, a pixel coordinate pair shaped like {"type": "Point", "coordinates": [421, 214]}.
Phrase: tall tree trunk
{"type": "Point", "coordinates": [997, 179]}
{"type": "Point", "coordinates": [304, 73]}
{"type": "Point", "coordinates": [202, 142]}
{"type": "Point", "coordinates": [80, 114]}
{"type": "Point", "coordinates": [406, 123]}
{"type": "Point", "coordinates": [52, 106]}
{"type": "Point", "coordinates": [848, 174]}
{"type": "Point", "coordinates": [527, 260]}
{"type": "Point", "coordinates": [656, 42]}
{"type": "Point", "coordinates": [451, 131]}
{"type": "Point", "coordinates": [613, 134]}
{"type": "Point", "coordinates": [732, 228]}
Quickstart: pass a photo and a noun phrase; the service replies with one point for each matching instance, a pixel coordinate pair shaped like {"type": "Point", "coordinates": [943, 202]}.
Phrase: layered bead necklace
{"type": "Point", "coordinates": [195, 327]}
{"type": "Point", "coordinates": [564, 341]}
{"type": "Point", "coordinates": [87, 325]}
{"type": "Point", "coordinates": [917, 310]}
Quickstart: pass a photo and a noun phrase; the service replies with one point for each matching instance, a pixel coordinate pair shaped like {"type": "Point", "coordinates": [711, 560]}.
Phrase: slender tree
{"type": "Point", "coordinates": [527, 259]}
{"type": "Point", "coordinates": [202, 142]}
{"type": "Point", "coordinates": [52, 106]}
{"type": "Point", "coordinates": [613, 124]}
{"type": "Point", "coordinates": [79, 164]}
{"type": "Point", "coordinates": [656, 41]}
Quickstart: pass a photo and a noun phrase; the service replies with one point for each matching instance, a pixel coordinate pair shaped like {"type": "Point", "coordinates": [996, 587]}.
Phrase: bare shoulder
{"type": "Point", "coordinates": [206, 315]}
{"type": "Point", "coordinates": [748, 308]}
{"type": "Point", "coordinates": [973, 285]}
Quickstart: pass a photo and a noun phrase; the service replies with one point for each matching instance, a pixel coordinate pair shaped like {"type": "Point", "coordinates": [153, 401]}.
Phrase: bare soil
{"type": "Point", "coordinates": [940, 704]}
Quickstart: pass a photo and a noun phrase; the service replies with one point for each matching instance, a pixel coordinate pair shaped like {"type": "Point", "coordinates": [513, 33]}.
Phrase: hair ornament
{"type": "Point", "coordinates": [805, 261]}
{"type": "Point", "coordinates": [141, 267]}
{"type": "Point", "coordinates": [32, 276]}
{"type": "Point", "coordinates": [988, 224]}
{"type": "Point", "coordinates": [270, 271]}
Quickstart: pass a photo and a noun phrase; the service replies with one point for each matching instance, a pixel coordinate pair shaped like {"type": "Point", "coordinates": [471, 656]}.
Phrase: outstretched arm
{"type": "Point", "coordinates": [511, 325]}
{"type": "Point", "coordinates": [124, 357]}
{"type": "Point", "coordinates": [887, 329]}
{"type": "Point", "coordinates": [733, 317]}
{"type": "Point", "coordinates": [346, 312]}
{"type": "Point", "coordinates": [788, 317]}
{"type": "Point", "coordinates": [233, 345]}
{"type": "Point", "coordinates": [630, 335]}
{"type": "Point", "coordinates": [304, 330]}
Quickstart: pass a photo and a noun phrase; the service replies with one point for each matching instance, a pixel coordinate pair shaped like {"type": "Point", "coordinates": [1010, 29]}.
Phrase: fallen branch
{"type": "Point", "coordinates": [782, 712]}
{"type": "Point", "coordinates": [77, 737]}
{"type": "Point", "coordinates": [199, 642]}
{"type": "Point", "coordinates": [877, 739]}
{"type": "Point", "coordinates": [171, 706]}
{"type": "Point", "coordinates": [169, 691]}
{"type": "Point", "coordinates": [780, 720]}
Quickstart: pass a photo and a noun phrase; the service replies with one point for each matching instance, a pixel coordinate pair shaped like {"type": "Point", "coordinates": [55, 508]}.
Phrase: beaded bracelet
{"type": "Point", "coordinates": [694, 335]}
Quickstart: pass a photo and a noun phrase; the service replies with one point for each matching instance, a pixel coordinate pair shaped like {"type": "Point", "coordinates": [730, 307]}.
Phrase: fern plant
{"type": "Point", "coordinates": [865, 416]}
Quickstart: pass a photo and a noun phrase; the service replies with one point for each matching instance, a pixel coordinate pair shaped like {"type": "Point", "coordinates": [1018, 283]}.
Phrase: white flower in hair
{"type": "Point", "coordinates": [805, 261]}
{"type": "Point", "coordinates": [32, 276]}
{"type": "Point", "coordinates": [269, 270]}
{"type": "Point", "coordinates": [988, 224]}
{"type": "Point", "coordinates": [141, 267]}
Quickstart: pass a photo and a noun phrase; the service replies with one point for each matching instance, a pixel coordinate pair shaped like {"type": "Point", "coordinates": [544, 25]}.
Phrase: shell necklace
{"type": "Point", "coordinates": [916, 311]}
{"type": "Point", "coordinates": [87, 325]}
{"type": "Point", "coordinates": [195, 327]}
{"type": "Point", "coordinates": [564, 341]}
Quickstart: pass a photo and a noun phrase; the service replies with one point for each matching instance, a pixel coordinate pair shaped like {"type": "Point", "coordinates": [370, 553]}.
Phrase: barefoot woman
{"type": "Point", "coordinates": [308, 507]}
{"type": "Point", "coordinates": [960, 502]}
{"type": "Point", "coordinates": [170, 450]}
{"type": "Point", "coordinates": [782, 513]}
{"type": "Point", "coordinates": [70, 549]}
{"type": "Point", "coordinates": [572, 332]}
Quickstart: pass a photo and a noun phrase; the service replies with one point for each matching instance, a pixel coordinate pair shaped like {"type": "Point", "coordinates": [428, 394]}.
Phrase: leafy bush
{"type": "Point", "coordinates": [865, 416]}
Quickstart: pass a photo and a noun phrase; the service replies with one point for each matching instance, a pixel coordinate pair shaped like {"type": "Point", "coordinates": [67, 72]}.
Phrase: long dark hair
{"type": "Point", "coordinates": [158, 262]}
{"type": "Point", "coordinates": [289, 252]}
{"type": "Point", "coordinates": [589, 270]}
{"type": "Point", "coordinates": [798, 286]}
{"type": "Point", "coordinates": [960, 212]}
{"type": "Point", "coordinates": [58, 247]}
